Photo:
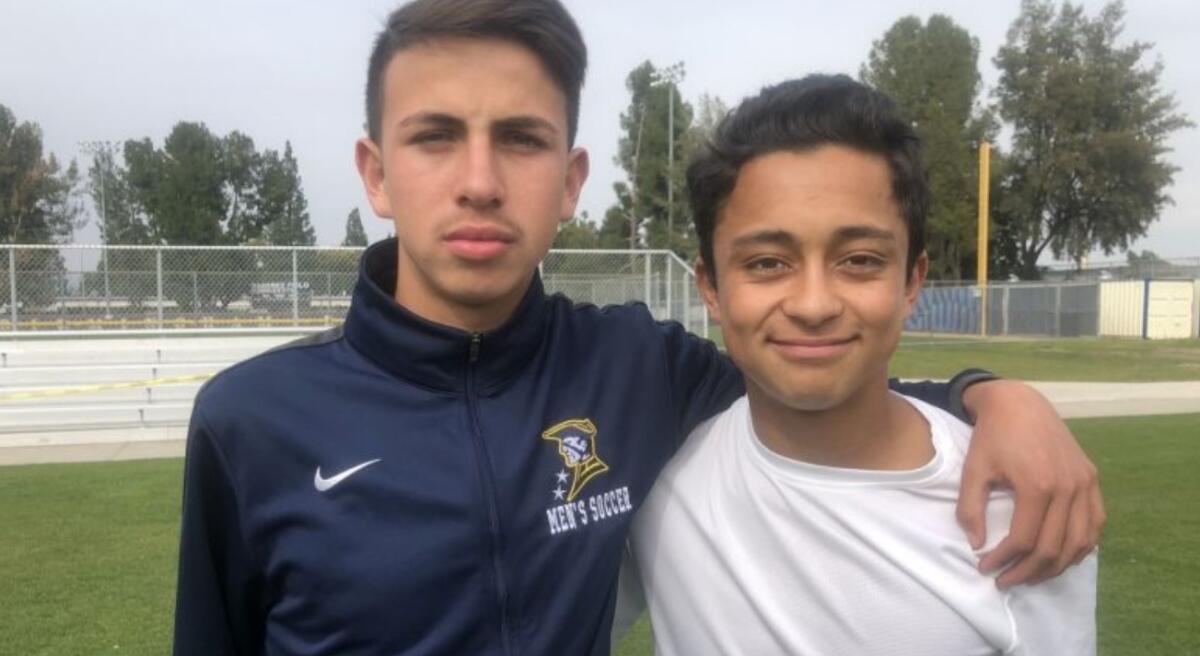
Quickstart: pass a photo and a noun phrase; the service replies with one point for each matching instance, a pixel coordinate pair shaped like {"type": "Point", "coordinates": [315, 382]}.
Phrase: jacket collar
{"type": "Point", "coordinates": [431, 354]}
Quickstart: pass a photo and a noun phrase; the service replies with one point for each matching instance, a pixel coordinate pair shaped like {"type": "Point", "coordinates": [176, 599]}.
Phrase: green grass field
{"type": "Point", "coordinates": [87, 552]}
{"type": "Point", "coordinates": [1116, 360]}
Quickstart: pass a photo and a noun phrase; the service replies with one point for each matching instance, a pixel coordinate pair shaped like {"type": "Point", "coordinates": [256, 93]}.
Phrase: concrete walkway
{"type": "Point", "coordinates": [1123, 399]}
{"type": "Point", "coordinates": [1071, 400]}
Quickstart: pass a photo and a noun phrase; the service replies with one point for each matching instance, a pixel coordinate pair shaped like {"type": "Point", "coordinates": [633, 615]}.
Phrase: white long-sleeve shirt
{"type": "Point", "coordinates": [743, 551]}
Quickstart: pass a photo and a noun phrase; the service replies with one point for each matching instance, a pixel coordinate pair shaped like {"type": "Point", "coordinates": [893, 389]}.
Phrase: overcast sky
{"type": "Point", "coordinates": [294, 70]}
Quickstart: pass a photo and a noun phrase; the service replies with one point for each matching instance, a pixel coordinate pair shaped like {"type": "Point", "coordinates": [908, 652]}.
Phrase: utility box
{"type": "Point", "coordinates": [1169, 309]}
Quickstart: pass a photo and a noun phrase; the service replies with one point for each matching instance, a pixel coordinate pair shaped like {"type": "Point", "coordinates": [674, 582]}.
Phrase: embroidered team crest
{"type": "Point", "coordinates": [577, 446]}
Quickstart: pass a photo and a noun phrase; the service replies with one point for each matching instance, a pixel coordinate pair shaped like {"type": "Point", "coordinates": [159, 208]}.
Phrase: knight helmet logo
{"type": "Point", "coordinates": [577, 446]}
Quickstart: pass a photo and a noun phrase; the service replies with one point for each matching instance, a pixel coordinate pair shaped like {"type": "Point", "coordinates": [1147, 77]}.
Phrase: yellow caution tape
{"type": "Point", "coordinates": [106, 387]}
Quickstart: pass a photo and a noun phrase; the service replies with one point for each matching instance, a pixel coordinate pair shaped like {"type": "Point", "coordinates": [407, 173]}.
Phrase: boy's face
{"type": "Point", "coordinates": [812, 289]}
{"type": "Point", "coordinates": [474, 168]}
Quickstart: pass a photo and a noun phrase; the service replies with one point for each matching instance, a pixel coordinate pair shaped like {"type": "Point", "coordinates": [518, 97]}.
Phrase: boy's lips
{"type": "Point", "coordinates": [812, 349]}
{"type": "Point", "coordinates": [479, 242]}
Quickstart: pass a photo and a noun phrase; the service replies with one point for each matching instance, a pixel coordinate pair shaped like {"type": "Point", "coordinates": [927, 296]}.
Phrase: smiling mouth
{"type": "Point", "coordinates": [813, 350]}
{"type": "Point", "coordinates": [479, 243]}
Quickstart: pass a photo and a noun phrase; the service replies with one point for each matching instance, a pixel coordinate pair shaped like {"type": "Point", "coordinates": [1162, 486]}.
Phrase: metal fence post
{"type": "Point", "coordinates": [1058, 310]}
{"type": "Point", "coordinates": [687, 302]}
{"type": "Point", "coordinates": [107, 293]}
{"type": "Point", "coordinates": [647, 279]}
{"type": "Point", "coordinates": [1004, 305]}
{"type": "Point", "coordinates": [12, 285]}
{"type": "Point", "coordinates": [670, 283]}
{"type": "Point", "coordinates": [295, 291]}
{"type": "Point", "coordinates": [159, 276]}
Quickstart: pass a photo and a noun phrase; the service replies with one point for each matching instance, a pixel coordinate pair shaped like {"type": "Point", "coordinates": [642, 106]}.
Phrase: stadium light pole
{"type": "Point", "coordinates": [670, 77]}
{"type": "Point", "coordinates": [981, 263]}
{"type": "Point", "coordinates": [94, 148]}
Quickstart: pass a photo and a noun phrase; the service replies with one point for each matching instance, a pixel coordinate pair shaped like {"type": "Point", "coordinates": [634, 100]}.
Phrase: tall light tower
{"type": "Point", "coordinates": [670, 77]}
{"type": "Point", "coordinates": [94, 149]}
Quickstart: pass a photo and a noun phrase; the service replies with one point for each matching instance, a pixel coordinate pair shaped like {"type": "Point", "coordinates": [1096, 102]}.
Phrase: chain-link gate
{"type": "Point", "coordinates": [158, 288]}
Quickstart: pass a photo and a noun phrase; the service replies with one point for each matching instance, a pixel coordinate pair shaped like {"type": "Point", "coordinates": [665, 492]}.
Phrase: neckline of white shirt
{"type": "Point", "coordinates": [809, 473]}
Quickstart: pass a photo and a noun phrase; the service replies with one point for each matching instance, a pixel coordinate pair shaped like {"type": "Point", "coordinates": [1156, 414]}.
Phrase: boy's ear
{"type": "Point", "coordinates": [916, 278]}
{"type": "Point", "coordinates": [578, 166]}
{"type": "Point", "coordinates": [706, 283]}
{"type": "Point", "coordinates": [369, 162]}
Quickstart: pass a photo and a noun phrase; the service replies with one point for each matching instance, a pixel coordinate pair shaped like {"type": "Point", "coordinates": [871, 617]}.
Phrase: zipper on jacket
{"type": "Point", "coordinates": [489, 490]}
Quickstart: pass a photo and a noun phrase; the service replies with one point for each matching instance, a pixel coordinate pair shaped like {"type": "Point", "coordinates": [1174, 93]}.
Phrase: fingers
{"type": "Point", "coordinates": [1085, 524]}
{"type": "Point", "coordinates": [1036, 563]}
{"type": "Point", "coordinates": [971, 510]}
{"type": "Point", "coordinates": [1077, 543]}
{"type": "Point", "coordinates": [1097, 518]}
{"type": "Point", "coordinates": [1032, 505]}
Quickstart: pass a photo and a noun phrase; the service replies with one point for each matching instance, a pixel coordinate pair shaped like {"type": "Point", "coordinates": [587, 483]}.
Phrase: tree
{"type": "Point", "coordinates": [710, 111]}
{"type": "Point", "coordinates": [1090, 123]}
{"type": "Point", "coordinates": [127, 273]}
{"type": "Point", "coordinates": [240, 163]}
{"type": "Point", "coordinates": [620, 228]}
{"type": "Point", "coordinates": [643, 154]}
{"type": "Point", "coordinates": [1145, 265]}
{"type": "Point", "coordinates": [37, 206]}
{"type": "Point", "coordinates": [578, 232]}
{"type": "Point", "coordinates": [282, 208]}
{"type": "Point", "coordinates": [931, 70]}
{"type": "Point", "coordinates": [355, 235]}
{"type": "Point", "coordinates": [36, 203]}
{"type": "Point", "coordinates": [120, 222]}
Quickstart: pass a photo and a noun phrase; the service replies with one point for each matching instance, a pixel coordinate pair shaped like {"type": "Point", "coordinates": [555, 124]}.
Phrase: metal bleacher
{"type": "Point", "coordinates": [78, 391]}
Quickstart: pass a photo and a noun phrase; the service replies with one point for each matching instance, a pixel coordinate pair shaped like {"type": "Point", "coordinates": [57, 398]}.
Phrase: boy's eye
{"type": "Point", "coordinates": [863, 261]}
{"type": "Point", "coordinates": [431, 137]}
{"type": "Point", "coordinates": [766, 265]}
{"type": "Point", "coordinates": [524, 140]}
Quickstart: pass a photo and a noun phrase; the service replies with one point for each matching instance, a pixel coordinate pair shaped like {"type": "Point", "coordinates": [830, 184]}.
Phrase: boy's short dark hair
{"type": "Point", "coordinates": [803, 114]}
{"type": "Point", "coordinates": [543, 26]}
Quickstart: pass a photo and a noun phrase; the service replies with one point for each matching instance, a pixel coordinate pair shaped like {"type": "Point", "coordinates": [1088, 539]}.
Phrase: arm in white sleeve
{"type": "Point", "coordinates": [1057, 616]}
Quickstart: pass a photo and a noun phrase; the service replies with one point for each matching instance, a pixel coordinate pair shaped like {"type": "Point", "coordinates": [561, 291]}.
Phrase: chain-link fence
{"type": "Point", "coordinates": [1041, 309]}
{"type": "Point", "coordinates": [61, 288]}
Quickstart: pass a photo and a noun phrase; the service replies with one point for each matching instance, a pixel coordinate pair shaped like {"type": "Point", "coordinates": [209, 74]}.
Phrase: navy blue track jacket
{"type": "Point", "coordinates": [394, 486]}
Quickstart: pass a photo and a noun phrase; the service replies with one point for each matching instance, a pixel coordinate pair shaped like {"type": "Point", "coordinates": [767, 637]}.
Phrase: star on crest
{"type": "Point", "coordinates": [562, 476]}
{"type": "Point", "coordinates": [558, 493]}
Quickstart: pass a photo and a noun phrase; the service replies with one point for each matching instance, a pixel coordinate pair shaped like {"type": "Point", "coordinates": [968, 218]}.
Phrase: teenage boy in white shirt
{"type": "Point", "coordinates": [817, 514]}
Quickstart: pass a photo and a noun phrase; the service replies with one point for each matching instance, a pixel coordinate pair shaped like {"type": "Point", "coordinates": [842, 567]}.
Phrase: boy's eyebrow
{"type": "Point", "coordinates": [525, 122]}
{"type": "Point", "coordinates": [850, 233]}
{"type": "Point", "coordinates": [785, 239]}
{"type": "Point", "coordinates": [763, 237]}
{"type": "Point", "coordinates": [436, 119]}
{"type": "Point", "coordinates": [439, 119]}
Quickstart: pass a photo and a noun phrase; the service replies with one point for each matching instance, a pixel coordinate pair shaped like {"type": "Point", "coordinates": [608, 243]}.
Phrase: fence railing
{"type": "Point", "coordinates": [1163, 308]}
{"type": "Point", "coordinates": [184, 288]}
{"type": "Point", "coordinates": [161, 288]}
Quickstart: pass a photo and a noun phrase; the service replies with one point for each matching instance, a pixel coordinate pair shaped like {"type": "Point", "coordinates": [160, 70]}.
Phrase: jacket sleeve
{"type": "Point", "coordinates": [949, 395]}
{"type": "Point", "coordinates": [219, 600]}
{"type": "Point", "coordinates": [702, 380]}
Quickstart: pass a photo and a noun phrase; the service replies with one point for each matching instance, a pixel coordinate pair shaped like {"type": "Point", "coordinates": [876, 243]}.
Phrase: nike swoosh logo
{"type": "Point", "coordinates": [324, 484]}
